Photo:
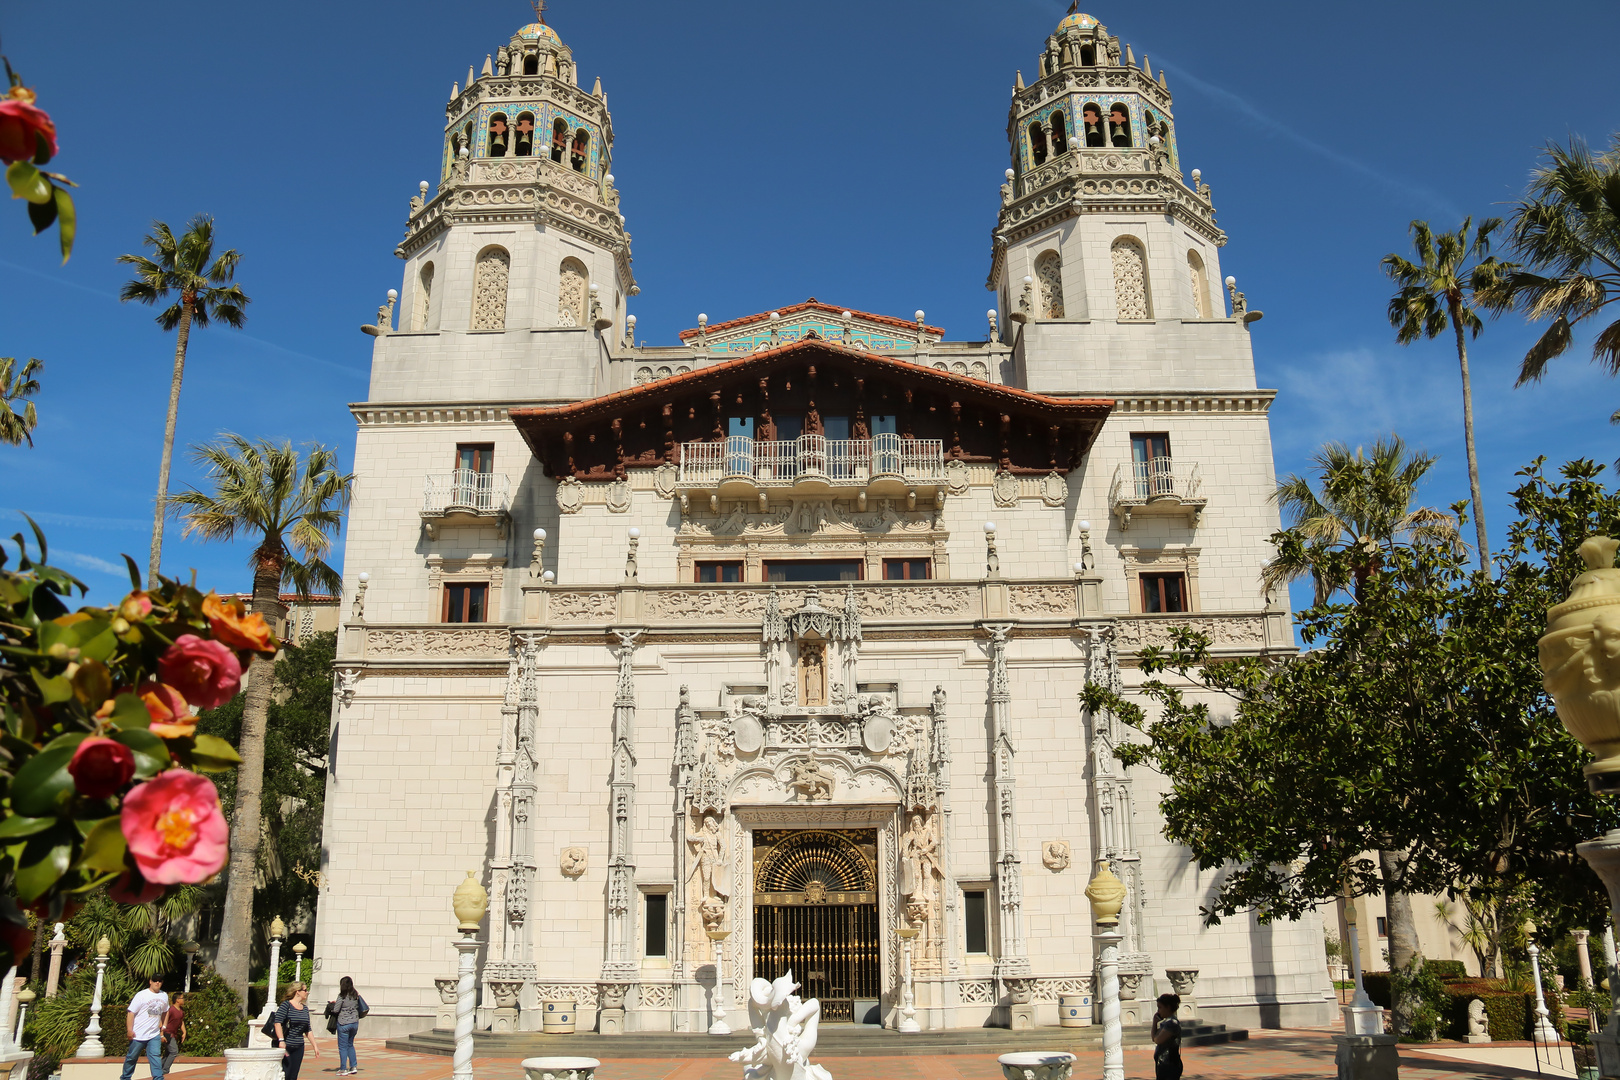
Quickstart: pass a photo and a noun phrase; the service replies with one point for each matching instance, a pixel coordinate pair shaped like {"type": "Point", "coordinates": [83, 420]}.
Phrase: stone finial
{"type": "Point", "coordinates": [596, 91]}
{"type": "Point", "coordinates": [1018, 85]}
{"type": "Point", "coordinates": [1107, 895]}
{"type": "Point", "coordinates": [489, 68]}
{"type": "Point", "coordinates": [455, 90]}
{"type": "Point", "coordinates": [1147, 68]}
{"type": "Point", "coordinates": [469, 902]}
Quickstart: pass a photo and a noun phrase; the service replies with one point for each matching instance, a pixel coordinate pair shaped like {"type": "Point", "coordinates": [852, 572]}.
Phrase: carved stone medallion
{"type": "Point", "coordinates": [1055, 854]}
{"type": "Point", "coordinates": [747, 734]}
{"type": "Point", "coordinates": [1054, 489]}
{"type": "Point", "coordinates": [573, 861]}
{"type": "Point", "coordinates": [956, 477]}
{"type": "Point", "coordinates": [877, 733]}
{"type": "Point", "coordinates": [664, 478]}
{"type": "Point", "coordinates": [618, 497]}
{"type": "Point", "coordinates": [570, 495]}
{"type": "Point", "coordinates": [1006, 489]}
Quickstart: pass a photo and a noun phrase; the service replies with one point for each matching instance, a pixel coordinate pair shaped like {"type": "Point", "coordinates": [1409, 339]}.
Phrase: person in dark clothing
{"type": "Point", "coordinates": [347, 1009]}
{"type": "Point", "coordinates": [293, 1031]}
{"type": "Point", "coordinates": [1167, 1039]}
{"type": "Point", "coordinates": [174, 1032]}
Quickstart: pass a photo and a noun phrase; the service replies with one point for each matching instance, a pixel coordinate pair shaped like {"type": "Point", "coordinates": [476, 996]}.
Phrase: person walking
{"type": "Point", "coordinates": [292, 1030]}
{"type": "Point", "coordinates": [347, 1010]}
{"type": "Point", "coordinates": [143, 1023]}
{"type": "Point", "coordinates": [1167, 1039]}
{"type": "Point", "coordinates": [174, 1032]}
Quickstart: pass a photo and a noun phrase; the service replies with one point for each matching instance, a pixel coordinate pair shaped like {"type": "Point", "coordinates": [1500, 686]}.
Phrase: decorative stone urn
{"type": "Point", "coordinates": [1037, 1065]}
{"type": "Point", "coordinates": [1580, 661]}
{"type": "Point", "coordinates": [560, 1068]}
{"type": "Point", "coordinates": [1182, 980]}
{"type": "Point", "coordinates": [447, 990]}
{"type": "Point", "coordinates": [506, 992]}
{"type": "Point", "coordinates": [469, 902]}
{"type": "Point", "coordinates": [1107, 895]}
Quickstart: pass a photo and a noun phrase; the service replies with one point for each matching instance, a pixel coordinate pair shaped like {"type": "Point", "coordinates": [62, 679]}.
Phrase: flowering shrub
{"type": "Point", "coordinates": [27, 141]}
{"type": "Point", "coordinates": [99, 754]}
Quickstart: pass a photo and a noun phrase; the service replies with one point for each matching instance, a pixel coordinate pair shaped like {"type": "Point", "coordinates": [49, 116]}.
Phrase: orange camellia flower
{"type": "Point", "coordinates": [235, 629]}
{"type": "Point", "coordinates": [171, 716]}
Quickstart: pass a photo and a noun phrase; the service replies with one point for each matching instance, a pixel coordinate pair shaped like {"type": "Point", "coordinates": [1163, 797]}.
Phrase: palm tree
{"type": "Point", "coordinates": [18, 387]}
{"type": "Point", "coordinates": [188, 268]}
{"type": "Point", "coordinates": [1437, 293]}
{"type": "Point", "coordinates": [294, 511]}
{"type": "Point", "coordinates": [1364, 508]}
{"type": "Point", "coordinates": [1567, 231]}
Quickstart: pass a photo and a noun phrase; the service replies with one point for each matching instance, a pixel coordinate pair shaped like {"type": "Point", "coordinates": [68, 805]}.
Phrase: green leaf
{"type": "Point", "coordinates": [129, 713]}
{"type": "Point", "coordinates": [53, 689]}
{"type": "Point", "coordinates": [44, 859]}
{"type": "Point", "coordinates": [27, 183]}
{"type": "Point", "coordinates": [42, 215]}
{"type": "Point", "coordinates": [97, 641]}
{"type": "Point", "coordinates": [16, 825]}
{"type": "Point", "coordinates": [43, 787]}
{"type": "Point", "coordinates": [67, 221]}
{"type": "Point", "coordinates": [151, 755]}
{"type": "Point", "coordinates": [213, 754]}
{"type": "Point", "coordinates": [71, 740]}
{"type": "Point", "coordinates": [104, 847]}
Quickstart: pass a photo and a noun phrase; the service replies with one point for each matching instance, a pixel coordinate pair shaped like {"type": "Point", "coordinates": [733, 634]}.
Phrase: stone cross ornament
{"type": "Point", "coordinates": [1580, 662]}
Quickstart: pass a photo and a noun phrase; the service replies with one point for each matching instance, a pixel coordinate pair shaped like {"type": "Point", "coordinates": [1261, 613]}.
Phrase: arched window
{"type": "Point", "coordinates": [499, 136]}
{"type": "Point", "coordinates": [559, 140]}
{"type": "Point", "coordinates": [581, 152]}
{"type": "Point", "coordinates": [1049, 279]}
{"type": "Point", "coordinates": [1037, 142]}
{"type": "Point", "coordinates": [424, 298]}
{"type": "Point", "coordinates": [525, 135]}
{"type": "Point", "coordinates": [490, 276]}
{"type": "Point", "coordinates": [572, 281]}
{"type": "Point", "coordinates": [531, 64]}
{"type": "Point", "coordinates": [1060, 133]}
{"type": "Point", "coordinates": [1092, 130]}
{"type": "Point", "coordinates": [1130, 279]}
{"type": "Point", "coordinates": [1088, 56]}
{"type": "Point", "coordinates": [1200, 283]}
{"type": "Point", "coordinates": [1119, 125]}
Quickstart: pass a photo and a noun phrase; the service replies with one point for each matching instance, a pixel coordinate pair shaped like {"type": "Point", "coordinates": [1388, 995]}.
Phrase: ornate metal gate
{"type": "Point", "coordinates": [816, 912]}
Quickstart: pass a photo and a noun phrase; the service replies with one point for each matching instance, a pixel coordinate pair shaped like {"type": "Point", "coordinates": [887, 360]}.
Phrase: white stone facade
{"type": "Point", "coordinates": [571, 743]}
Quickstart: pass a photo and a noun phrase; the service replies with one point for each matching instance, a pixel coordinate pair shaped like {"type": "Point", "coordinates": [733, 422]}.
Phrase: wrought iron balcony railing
{"type": "Point", "coordinates": [837, 461]}
{"type": "Point", "coordinates": [1158, 485]}
{"type": "Point", "coordinates": [465, 491]}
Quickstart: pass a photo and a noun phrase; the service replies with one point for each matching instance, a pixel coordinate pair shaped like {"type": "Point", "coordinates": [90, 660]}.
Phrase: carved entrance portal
{"type": "Point", "coordinates": [816, 912]}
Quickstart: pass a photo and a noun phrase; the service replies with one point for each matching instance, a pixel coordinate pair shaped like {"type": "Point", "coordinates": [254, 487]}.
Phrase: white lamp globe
{"type": "Point", "coordinates": [990, 314]}
{"type": "Point", "coordinates": [364, 576]}
{"type": "Point", "coordinates": [1010, 174]}
{"type": "Point", "coordinates": [539, 534]}
{"type": "Point", "coordinates": [1085, 526]}
{"type": "Point", "coordinates": [393, 294]}
{"type": "Point", "coordinates": [989, 527]}
{"type": "Point", "coordinates": [1231, 281]}
{"type": "Point", "coordinates": [1079, 567]}
{"type": "Point", "coordinates": [609, 179]}
{"type": "Point", "coordinates": [635, 533]}
{"type": "Point", "coordinates": [548, 577]}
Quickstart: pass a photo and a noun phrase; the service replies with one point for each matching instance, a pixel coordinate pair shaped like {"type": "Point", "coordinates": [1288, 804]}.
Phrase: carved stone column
{"type": "Point", "coordinates": [686, 760]}
{"type": "Point", "coordinates": [939, 750]}
{"type": "Point", "coordinates": [619, 966]}
{"type": "Point", "coordinates": [512, 869]}
{"type": "Point", "coordinates": [1013, 958]}
{"type": "Point", "coordinates": [1113, 800]}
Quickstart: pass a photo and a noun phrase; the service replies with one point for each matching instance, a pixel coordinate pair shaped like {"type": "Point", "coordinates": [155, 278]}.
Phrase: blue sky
{"type": "Point", "coordinates": [766, 153]}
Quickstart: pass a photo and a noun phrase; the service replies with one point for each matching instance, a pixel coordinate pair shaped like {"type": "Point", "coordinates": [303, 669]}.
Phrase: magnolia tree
{"type": "Point", "coordinates": [100, 757]}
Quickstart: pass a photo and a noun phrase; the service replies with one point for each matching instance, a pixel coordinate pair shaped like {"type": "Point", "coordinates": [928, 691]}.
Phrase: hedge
{"type": "Point", "coordinates": [1509, 1015]}
{"type": "Point", "coordinates": [1447, 969]}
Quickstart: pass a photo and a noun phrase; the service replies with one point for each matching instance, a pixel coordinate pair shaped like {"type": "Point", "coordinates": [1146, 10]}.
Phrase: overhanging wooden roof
{"type": "Point", "coordinates": [645, 425]}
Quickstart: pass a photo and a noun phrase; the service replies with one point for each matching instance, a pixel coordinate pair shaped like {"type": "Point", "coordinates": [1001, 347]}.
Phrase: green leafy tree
{"type": "Point", "coordinates": [293, 509]}
{"type": "Point", "coordinates": [295, 743]}
{"type": "Point", "coordinates": [16, 389]}
{"type": "Point", "coordinates": [1435, 293]}
{"type": "Point", "coordinates": [188, 269]}
{"type": "Point", "coordinates": [1567, 232]}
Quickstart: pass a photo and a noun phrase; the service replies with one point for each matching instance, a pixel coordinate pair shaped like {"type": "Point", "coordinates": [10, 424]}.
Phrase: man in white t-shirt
{"type": "Point", "coordinates": [144, 1023]}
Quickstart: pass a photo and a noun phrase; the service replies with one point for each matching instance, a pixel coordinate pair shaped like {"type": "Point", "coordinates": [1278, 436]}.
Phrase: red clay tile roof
{"type": "Point", "coordinates": [812, 304]}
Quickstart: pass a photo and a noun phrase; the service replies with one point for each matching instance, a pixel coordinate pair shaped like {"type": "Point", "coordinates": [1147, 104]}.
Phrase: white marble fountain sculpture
{"type": "Point", "coordinates": [786, 1029]}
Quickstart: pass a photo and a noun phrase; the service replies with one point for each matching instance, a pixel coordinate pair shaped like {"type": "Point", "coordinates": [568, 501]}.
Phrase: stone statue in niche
{"type": "Point", "coordinates": [708, 859]}
{"type": "Point", "coordinates": [1055, 854]}
{"type": "Point", "coordinates": [919, 858]}
{"type": "Point", "coordinates": [1092, 127]}
{"type": "Point", "coordinates": [1119, 126]}
{"type": "Point", "coordinates": [808, 781]}
{"type": "Point", "coordinates": [812, 673]}
{"type": "Point", "coordinates": [573, 861]}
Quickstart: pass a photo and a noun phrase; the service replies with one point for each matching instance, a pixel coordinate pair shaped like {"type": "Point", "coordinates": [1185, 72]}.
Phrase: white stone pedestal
{"type": "Point", "coordinates": [1037, 1065]}
{"type": "Point", "coordinates": [1367, 1057]}
{"type": "Point", "coordinates": [252, 1063]}
{"type": "Point", "coordinates": [1363, 1020]}
{"type": "Point", "coordinates": [560, 1068]}
{"type": "Point", "coordinates": [15, 1063]}
{"type": "Point", "coordinates": [1476, 1038]}
{"type": "Point", "coordinates": [610, 1022]}
{"type": "Point", "coordinates": [503, 1020]}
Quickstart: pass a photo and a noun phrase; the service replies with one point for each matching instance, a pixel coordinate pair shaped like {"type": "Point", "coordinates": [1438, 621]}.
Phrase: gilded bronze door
{"type": "Point", "coordinates": [816, 913]}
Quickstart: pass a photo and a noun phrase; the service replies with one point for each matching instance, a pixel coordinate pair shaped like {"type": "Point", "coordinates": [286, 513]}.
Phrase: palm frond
{"type": "Point", "coordinates": [1555, 342]}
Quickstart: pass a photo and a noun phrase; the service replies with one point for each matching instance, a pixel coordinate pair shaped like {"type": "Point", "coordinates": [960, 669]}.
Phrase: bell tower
{"type": "Point", "coordinates": [523, 235]}
{"type": "Point", "coordinates": [1100, 235]}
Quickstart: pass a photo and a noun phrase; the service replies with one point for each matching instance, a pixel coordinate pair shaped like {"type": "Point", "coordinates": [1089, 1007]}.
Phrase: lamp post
{"type": "Point", "coordinates": [537, 560]}
{"type": "Point", "coordinates": [908, 1001]}
{"type": "Point", "coordinates": [91, 1046]}
{"type": "Point", "coordinates": [1361, 1016]}
{"type": "Point", "coordinates": [24, 999]}
{"type": "Point", "coordinates": [190, 949]}
{"type": "Point", "coordinates": [719, 1027]}
{"type": "Point", "coordinates": [278, 931]}
{"type": "Point", "coordinates": [469, 903]}
{"type": "Point", "coordinates": [298, 961]}
{"type": "Point", "coordinates": [1542, 1031]}
{"type": "Point", "coordinates": [1107, 895]}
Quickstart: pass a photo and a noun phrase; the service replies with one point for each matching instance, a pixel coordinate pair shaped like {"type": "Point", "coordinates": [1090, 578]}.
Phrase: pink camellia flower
{"type": "Point", "coordinates": [206, 673]}
{"type": "Point", "coordinates": [21, 125]}
{"type": "Point", "coordinates": [101, 767]}
{"type": "Point", "coordinates": [174, 828]}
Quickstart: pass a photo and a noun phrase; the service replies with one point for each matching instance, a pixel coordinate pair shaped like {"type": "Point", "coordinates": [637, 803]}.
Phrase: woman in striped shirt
{"type": "Point", "coordinates": [293, 1030]}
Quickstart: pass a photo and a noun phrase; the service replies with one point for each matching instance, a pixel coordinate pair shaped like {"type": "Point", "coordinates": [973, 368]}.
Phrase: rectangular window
{"type": "Point", "coordinates": [657, 925]}
{"type": "Point", "coordinates": [476, 457]}
{"type": "Point", "coordinates": [835, 427]}
{"type": "Point", "coordinates": [465, 603]}
{"type": "Point", "coordinates": [906, 570]}
{"type": "Point", "coordinates": [1383, 926]}
{"type": "Point", "coordinates": [815, 570]}
{"type": "Point", "coordinates": [1150, 462]}
{"type": "Point", "coordinates": [715, 573]}
{"type": "Point", "coordinates": [740, 425]}
{"type": "Point", "coordinates": [788, 427]}
{"type": "Point", "coordinates": [976, 917]}
{"type": "Point", "coordinates": [1164, 592]}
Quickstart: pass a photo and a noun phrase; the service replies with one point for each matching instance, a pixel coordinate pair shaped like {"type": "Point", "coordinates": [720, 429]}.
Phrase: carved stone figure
{"type": "Point", "coordinates": [1055, 854]}
{"type": "Point", "coordinates": [786, 1029]}
{"type": "Point", "coordinates": [712, 910]}
{"type": "Point", "coordinates": [708, 859]}
{"type": "Point", "coordinates": [573, 861]}
{"type": "Point", "coordinates": [919, 857]}
{"type": "Point", "coordinates": [808, 781]}
{"type": "Point", "coordinates": [1479, 1028]}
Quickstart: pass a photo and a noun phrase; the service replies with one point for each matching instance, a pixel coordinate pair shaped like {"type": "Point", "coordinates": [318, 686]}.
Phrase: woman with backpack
{"type": "Point", "coordinates": [292, 1029]}
{"type": "Point", "coordinates": [343, 1018]}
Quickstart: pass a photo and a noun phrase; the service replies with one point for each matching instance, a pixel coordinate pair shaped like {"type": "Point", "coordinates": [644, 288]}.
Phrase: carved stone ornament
{"type": "Point", "coordinates": [1055, 854]}
{"type": "Point", "coordinates": [747, 733]}
{"type": "Point", "coordinates": [572, 861]}
{"type": "Point", "coordinates": [570, 495]}
{"type": "Point", "coordinates": [1183, 980]}
{"type": "Point", "coordinates": [1006, 489]}
{"type": "Point", "coordinates": [1107, 895]}
{"type": "Point", "coordinates": [1580, 661]}
{"type": "Point", "coordinates": [618, 497]}
{"type": "Point", "coordinates": [664, 478]}
{"type": "Point", "coordinates": [1054, 489]}
{"type": "Point", "coordinates": [809, 782]}
{"type": "Point", "coordinates": [712, 911]}
{"type": "Point", "coordinates": [506, 993]}
{"type": "Point", "coordinates": [447, 990]}
{"type": "Point", "coordinates": [956, 477]}
{"type": "Point", "coordinates": [611, 995]}
{"type": "Point", "coordinates": [877, 733]}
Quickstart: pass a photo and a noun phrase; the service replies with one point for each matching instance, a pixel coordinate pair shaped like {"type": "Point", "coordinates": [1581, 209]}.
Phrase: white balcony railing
{"type": "Point", "coordinates": [849, 461]}
{"type": "Point", "coordinates": [465, 491]}
{"type": "Point", "coordinates": [1170, 485]}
